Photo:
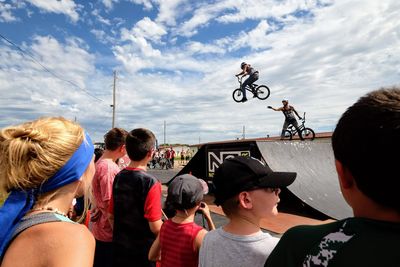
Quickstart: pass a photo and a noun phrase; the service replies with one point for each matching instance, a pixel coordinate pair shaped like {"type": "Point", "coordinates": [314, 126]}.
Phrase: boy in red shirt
{"type": "Point", "coordinates": [102, 184]}
{"type": "Point", "coordinates": [180, 237]}
{"type": "Point", "coordinates": [136, 203]}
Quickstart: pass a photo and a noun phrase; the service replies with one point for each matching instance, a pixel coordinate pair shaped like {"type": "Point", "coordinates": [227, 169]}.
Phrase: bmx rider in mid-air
{"type": "Point", "coordinates": [288, 111]}
{"type": "Point", "coordinates": [247, 69]}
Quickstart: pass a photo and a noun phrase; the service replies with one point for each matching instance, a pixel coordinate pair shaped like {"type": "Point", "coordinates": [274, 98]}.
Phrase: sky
{"type": "Point", "coordinates": [176, 60]}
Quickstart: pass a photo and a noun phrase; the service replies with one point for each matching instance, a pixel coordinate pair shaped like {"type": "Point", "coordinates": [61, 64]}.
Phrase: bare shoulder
{"type": "Point", "coordinates": [75, 245]}
{"type": "Point", "coordinates": [56, 244]}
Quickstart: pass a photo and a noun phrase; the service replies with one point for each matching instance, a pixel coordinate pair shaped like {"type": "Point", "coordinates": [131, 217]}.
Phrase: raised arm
{"type": "Point", "coordinates": [206, 211]}
{"type": "Point", "coordinates": [275, 109]}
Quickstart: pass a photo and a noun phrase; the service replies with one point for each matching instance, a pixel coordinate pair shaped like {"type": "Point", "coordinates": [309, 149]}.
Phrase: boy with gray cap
{"type": "Point", "coordinates": [180, 237]}
{"type": "Point", "coordinates": [248, 191]}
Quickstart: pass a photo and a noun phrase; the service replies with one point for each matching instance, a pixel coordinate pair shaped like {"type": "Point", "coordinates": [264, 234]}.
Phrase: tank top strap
{"type": "Point", "coordinates": [38, 218]}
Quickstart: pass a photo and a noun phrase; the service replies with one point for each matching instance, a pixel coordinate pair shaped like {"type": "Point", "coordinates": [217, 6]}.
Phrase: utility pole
{"type": "Point", "coordinates": [113, 104]}
{"type": "Point", "coordinates": [165, 128]}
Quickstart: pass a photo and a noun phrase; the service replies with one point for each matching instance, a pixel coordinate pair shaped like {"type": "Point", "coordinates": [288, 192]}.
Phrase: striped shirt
{"type": "Point", "coordinates": [177, 244]}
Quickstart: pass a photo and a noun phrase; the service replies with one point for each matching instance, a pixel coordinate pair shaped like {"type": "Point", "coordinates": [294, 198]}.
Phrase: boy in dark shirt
{"type": "Point", "coordinates": [136, 203]}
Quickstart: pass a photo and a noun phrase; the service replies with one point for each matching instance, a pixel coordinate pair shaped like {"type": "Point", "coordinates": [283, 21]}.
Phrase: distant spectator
{"type": "Point", "coordinates": [44, 165]}
{"type": "Point", "coordinates": [182, 157]}
{"type": "Point", "coordinates": [363, 143]}
{"type": "Point", "coordinates": [180, 238]}
{"type": "Point", "coordinates": [106, 169]}
{"type": "Point", "coordinates": [172, 157]}
{"type": "Point", "coordinates": [188, 155]}
{"type": "Point", "coordinates": [248, 191]}
{"type": "Point", "coordinates": [136, 203]}
{"type": "Point", "coordinates": [168, 158]}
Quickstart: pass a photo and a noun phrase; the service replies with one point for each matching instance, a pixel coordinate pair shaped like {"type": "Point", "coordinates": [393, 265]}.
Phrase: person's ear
{"type": "Point", "coordinates": [245, 200]}
{"type": "Point", "coordinates": [346, 179]}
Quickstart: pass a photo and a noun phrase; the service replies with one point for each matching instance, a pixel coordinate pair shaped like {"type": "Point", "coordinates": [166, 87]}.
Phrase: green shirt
{"type": "Point", "coordinates": [350, 242]}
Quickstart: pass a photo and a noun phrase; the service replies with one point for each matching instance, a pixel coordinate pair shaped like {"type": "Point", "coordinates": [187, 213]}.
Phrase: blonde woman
{"type": "Point", "coordinates": [44, 165]}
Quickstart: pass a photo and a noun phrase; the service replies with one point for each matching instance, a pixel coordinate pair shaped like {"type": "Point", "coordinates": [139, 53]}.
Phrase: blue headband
{"type": "Point", "coordinates": [19, 202]}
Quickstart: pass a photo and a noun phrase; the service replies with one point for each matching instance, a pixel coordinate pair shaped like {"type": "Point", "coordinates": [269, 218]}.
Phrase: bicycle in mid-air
{"type": "Point", "coordinates": [306, 133]}
{"type": "Point", "coordinates": [260, 91]}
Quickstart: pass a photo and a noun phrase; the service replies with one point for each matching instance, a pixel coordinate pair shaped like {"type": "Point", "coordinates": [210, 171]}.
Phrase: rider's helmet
{"type": "Point", "coordinates": [285, 100]}
{"type": "Point", "coordinates": [242, 65]}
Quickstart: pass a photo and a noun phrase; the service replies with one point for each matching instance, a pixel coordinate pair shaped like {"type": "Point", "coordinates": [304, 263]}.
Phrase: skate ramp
{"type": "Point", "coordinates": [316, 184]}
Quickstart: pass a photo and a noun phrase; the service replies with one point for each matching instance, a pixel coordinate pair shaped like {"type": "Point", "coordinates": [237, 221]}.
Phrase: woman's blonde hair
{"type": "Point", "coordinates": [33, 152]}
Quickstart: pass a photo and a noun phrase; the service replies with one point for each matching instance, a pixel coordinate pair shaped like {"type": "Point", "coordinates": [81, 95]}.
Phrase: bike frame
{"type": "Point", "coordinates": [293, 130]}
{"type": "Point", "coordinates": [248, 88]}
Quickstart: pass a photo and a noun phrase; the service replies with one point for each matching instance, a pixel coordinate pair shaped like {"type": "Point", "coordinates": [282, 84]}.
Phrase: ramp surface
{"type": "Point", "coordinates": [316, 183]}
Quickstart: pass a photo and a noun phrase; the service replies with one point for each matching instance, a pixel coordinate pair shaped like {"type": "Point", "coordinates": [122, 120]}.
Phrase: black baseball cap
{"type": "Point", "coordinates": [184, 192]}
{"type": "Point", "coordinates": [240, 174]}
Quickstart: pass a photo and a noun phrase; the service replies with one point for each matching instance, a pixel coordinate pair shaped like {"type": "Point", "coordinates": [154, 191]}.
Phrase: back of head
{"type": "Point", "coordinates": [33, 152]}
{"type": "Point", "coordinates": [184, 192]}
{"type": "Point", "coordinates": [115, 138]}
{"type": "Point", "coordinates": [365, 140]}
{"type": "Point", "coordinates": [139, 142]}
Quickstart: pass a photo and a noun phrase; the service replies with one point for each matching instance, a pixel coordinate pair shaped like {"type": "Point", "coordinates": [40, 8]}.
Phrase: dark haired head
{"type": "Point", "coordinates": [366, 141]}
{"type": "Point", "coordinates": [139, 142]}
{"type": "Point", "coordinates": [98, 152]}
{"type": "Point", "coordinates": [115, 138]}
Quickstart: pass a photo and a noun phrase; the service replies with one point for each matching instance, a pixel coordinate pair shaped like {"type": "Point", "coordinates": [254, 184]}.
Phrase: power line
{"type": "Point", "coordinates": [47, 70]}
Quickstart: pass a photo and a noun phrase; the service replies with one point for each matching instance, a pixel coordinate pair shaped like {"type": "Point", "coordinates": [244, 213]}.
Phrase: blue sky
{"type": "Point", "coordinates": [176, 60]}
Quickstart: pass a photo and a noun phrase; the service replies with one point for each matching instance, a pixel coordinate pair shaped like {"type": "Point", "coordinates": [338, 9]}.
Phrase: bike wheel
{"type": "Point", "coordinates": [287, 135]}
{"type": "Point", "coordinates": [237, 95]}
{"type": "Point", "coordinates": [308, 134]}
{"type": "Point", "coordinates": [262, 92]}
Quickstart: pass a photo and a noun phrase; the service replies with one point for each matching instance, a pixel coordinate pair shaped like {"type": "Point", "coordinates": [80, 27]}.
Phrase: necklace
{"type": "Point", "coordinates": [55, 210]}
{"type": "Point", "coordinates": [248, 221]}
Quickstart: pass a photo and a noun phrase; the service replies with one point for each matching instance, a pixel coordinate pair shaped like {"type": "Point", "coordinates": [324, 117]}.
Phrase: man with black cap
{"type": "Point", "coordinates": [248, 191]}
{"type": "Point", "coordinates": [180, 238]}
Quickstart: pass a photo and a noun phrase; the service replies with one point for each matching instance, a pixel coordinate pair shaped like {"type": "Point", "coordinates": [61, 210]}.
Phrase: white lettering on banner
{"type": "Point", "coordinates": [216, 158]}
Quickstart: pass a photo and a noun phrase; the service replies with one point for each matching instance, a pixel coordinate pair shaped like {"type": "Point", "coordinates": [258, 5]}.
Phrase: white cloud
{"type": "Point", "coordinates": [201, 18]}
{"type": "Point", "coordinates": [139, 52]}
{"type": "Point", "coordinates": [36, 92]}
{"type": "Point", "coordinates": [200, 48]}
{"type": "Point", "coordinates": [169, 10]}
{"type": "Point", "coordinates": [6, 12]}
{"type": "Point", "coordinates": [99, 18]}
{"type": "Point", "coordinates": [66, 7]}
{"type": "Point", "coordinates": [102, 36]}
{"type": "Point", "coordinates": [109, 3]}
{"type": "Point", "coordinates": [147, 29]}
{"type": "Point", "coordinates": [147, 4]}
